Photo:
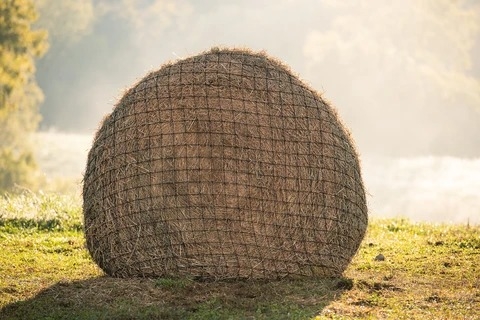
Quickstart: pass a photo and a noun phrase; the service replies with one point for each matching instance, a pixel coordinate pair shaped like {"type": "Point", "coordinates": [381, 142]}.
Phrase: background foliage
{"type": "Point", "coordinates": [20, 95]}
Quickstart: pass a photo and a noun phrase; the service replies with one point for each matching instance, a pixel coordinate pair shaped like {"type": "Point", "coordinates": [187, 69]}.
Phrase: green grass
{"type": "Point", "coordinates": [429, 272]}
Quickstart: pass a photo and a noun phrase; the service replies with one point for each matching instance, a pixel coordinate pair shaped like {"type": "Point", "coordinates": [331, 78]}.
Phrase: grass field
{"type": "Point", "coordinates": [429, 272]}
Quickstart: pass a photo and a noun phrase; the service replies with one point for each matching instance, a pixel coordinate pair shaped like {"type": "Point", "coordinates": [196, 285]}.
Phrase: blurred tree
{"type": "Point", "coordinates": [19, 93]}
{"type": "Point", "coordinates": [67, 21]}
{"type": "Point", "coordinates": [97, 47]}
{"type": "Point", "coordinates": [406, 66]}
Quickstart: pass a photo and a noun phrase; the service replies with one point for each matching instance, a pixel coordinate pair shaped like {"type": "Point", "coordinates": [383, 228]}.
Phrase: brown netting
{"type": "Point", "coordinates": [223, 165]}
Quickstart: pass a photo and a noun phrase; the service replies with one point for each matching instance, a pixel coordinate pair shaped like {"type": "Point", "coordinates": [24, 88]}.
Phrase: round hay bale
{"type": "Point", "coordinates": [223, 165]}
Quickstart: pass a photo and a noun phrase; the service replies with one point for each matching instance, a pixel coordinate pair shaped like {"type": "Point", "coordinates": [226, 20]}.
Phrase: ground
{"type": "Point", "coordinates": [429, 272]}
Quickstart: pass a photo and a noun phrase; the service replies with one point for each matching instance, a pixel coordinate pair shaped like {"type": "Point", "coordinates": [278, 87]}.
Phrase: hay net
{"type": "Point", "coordinates": [223, 165]}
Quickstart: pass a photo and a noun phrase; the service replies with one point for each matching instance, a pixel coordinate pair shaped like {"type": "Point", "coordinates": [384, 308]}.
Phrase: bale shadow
{"type": "Point", "coordinates": [165, 298]}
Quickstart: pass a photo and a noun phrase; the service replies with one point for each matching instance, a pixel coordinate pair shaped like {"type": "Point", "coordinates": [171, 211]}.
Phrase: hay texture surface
{"type": "Point", "coordinates": [223, 165]}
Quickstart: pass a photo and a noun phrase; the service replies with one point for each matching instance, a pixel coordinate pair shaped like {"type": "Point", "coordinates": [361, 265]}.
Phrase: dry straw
{"type": "Point", "coordinates": [223, 165]}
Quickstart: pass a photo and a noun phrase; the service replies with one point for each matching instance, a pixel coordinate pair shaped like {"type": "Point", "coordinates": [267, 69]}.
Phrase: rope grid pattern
{"type": "Point", "coordinates": [223, 165]}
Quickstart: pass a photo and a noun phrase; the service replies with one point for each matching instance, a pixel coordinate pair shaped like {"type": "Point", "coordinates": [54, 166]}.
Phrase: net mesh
{"type": "Point", "coordinates": [223, 165]}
